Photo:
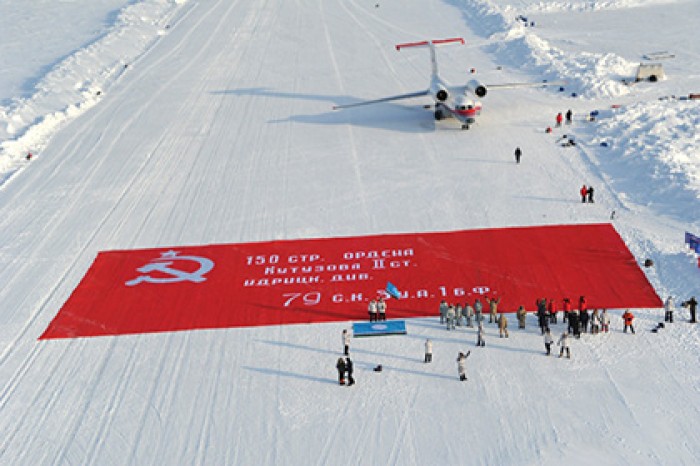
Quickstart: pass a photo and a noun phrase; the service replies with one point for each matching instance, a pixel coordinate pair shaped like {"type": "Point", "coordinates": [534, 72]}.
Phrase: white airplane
{"type": "Point", "coordinates": [450, 101]}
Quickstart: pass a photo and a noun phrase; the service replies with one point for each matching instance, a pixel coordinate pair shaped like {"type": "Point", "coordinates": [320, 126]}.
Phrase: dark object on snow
{"type": "Point", "coordinates": [659, 326]}
{"type": "Point", "coordinates": [648, 263]}
{"type": "Point", "coordinates": [378, 368]}
{"type": "Point", "coordinates": [603, 144]}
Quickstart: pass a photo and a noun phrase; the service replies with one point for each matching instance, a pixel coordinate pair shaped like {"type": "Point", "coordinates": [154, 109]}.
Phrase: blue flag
{"type": "Point", "coordinates": [392, 290]}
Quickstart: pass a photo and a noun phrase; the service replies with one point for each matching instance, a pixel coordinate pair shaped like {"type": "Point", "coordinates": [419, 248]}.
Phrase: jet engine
{"type": "Point", "coordinates": [476, 88]}
{"type": "Point", "coordinates": [439, 92]}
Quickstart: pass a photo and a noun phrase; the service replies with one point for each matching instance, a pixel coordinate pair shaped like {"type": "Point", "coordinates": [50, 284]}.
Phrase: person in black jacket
{"type": "Point", "coordinates": [584, 318]}
{"type": "Point", "coordinates": [340, 365]}
{"type": "Point", "coordinates": [574, 324]}
{"type": "Point", "coordinates": [518, 153]}
{"type": "Point", "coordinates": [349, 369]}
{"type": "Point", "coordinates": [692, 305]}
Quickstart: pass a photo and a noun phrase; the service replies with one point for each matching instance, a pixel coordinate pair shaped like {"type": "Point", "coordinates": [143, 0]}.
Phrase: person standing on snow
{"type": "Point", "coordinates": [605, 321]}
{"type": "Point", "coordinates": [595, 322]}
{"type": "Point", "coordinates": [450, 317]}
{"type": "Point", "coordinates": [346, 342]}
{"type": "Point", "coordinates": [692, 305]}
{"type": "Point", "coordinates": [462, 365]}
{"type": "Point", "coordinates": [340, 365]}
{"type": "Point", "coordinates": [428, 350]}
{"type": "Point", "coordinates": [569, 115]}
{"type": "Point", "coordinates": [584, 193]}
{"type": "Point", "coordinates": [548, 340]}
{"type": "Point", "coordinates": [542, 314]}
{"type": "Point", "coordinates": [502, 326]}
{"type": "Point", "coordinates": [521, 313]}
{"type": "Point", "coordinates": [566, 307]}
{"type": "Point", "coordinates": [668, 306]}
{"type": "Point", "coordinates": [589, 192]}
{"type": "Point", "coordinates": [564, 344]}
{"type": "Point", "coordinates": [559, 119]}
{"type": "Point", "coordinates": [458, 315]}
{"type": "Point", "coordinates": [575, 324]}
{"type": "Point", "coordinates": [493, 308]}
{"type": "Point", "coordinates": [480, 335]}
{"type": "Point", "coordinates": [469, 313]}
{"type": "Point", "coordinates": [478, 308]}
{"type": "Point", "coordinates": [372, 310]}
{"type": "Point", "coordinates": [552, 310]}
{"type": "Point", "coordinates": [628, 318]}
{"type": "Point", "coordinates": [443, 311]}
{"type": "Point", "coordinates": [349, 370]}
{"type": "Point", "coordinates": [584, 318]}
{"type": "Point", "coordinates": [381, 309]}
{"type": "Point", "coordinates": [518, 153]}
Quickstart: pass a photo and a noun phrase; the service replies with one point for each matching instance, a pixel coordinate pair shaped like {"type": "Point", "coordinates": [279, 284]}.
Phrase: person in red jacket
{"type": "Point", "coordinates": [560, 118]}
{"type": "Point", "coordinates": [552, 310]}
{"type": "Point", "coordinates": [566, 308]}
{"type": "Point", "coordinates": [628, 317]}
{"type": "Point", "coordinates": [584, 193]}
{"type": "Point", "coordinates": [582, 304]}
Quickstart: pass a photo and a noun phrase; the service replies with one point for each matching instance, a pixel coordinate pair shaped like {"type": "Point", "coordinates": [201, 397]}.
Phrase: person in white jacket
{"type": "Point", "coordinates": [372, 310]}
{"type": "Point", "coordinates": [548, 340]}
{"type": "Point", "coordinates": [480, 335]}
{"type": "Point", "coordinates": [469, 313]}
{"type": "Point", "coordinates": [346, 342]}
{"type": "Point", "coordinates": [428, 350]}
{"type": "Point", "coordinates": [450, 317]}
{"type": "Point", "coordinates": [564, 343]}
{"type": "Point", "coordinates": [462, 365]}
{"type": "Point", "coordinates": [668, 306]}
{"type": "Point", "coordinates": [605, 321]}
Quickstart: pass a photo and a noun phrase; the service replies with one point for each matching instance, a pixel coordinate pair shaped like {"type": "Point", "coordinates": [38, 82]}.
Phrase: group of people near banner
{"type": "Point", "coordinates": [579, 320]}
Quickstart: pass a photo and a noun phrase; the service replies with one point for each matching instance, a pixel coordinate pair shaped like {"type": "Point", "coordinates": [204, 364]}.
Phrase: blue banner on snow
{"type": "Point", "coordinates": [376, 329]}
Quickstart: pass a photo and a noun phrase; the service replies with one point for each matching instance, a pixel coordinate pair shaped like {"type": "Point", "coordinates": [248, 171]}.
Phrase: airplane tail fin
{"type": "Point", "coordinates": [431, 44]}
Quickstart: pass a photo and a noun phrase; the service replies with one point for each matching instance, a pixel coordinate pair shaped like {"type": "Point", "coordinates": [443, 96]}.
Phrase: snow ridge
{"type": "Point", "coordinates": [80, 81]}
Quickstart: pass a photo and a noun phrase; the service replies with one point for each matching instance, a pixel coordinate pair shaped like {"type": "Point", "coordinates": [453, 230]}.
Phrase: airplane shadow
{"type": "Point", "coordinates": [404, 117]}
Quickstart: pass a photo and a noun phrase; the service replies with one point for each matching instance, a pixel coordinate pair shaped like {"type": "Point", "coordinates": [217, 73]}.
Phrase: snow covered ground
{"type": "Point", "coordinates": [164, 123]}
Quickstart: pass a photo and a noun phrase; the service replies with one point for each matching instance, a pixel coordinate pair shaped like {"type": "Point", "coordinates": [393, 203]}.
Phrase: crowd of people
{"type": "Point", "coordinates": [576, 320]}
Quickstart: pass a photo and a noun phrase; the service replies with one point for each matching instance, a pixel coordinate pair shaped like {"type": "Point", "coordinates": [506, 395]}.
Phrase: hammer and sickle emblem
{"type": "Point", "coordinates": [163, 266]}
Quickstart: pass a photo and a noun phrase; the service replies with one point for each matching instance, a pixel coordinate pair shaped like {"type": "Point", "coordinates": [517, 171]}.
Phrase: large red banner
{"type": "Point", "coordinates": [333, 279]}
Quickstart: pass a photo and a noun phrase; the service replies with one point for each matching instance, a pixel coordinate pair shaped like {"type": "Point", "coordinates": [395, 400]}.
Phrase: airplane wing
{"type": "Point", "coordinates": [517, 85]}
{"type": "Point", "coordinates": [384, 99]}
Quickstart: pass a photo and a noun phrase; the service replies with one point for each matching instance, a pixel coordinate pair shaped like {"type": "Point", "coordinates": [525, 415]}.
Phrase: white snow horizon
{"type": "Point", "coordinates": [163, 123]}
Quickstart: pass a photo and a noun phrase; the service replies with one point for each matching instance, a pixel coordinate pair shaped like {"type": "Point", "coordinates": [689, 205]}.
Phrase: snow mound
{"type": "Point", "coordinates": [658, 142]}
{"type": "Point", "coordinates": [587, 75]}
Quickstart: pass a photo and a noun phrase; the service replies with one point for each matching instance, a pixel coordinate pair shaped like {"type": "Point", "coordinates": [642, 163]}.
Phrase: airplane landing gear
{"type": "Point", "coordinates": [438, 115]}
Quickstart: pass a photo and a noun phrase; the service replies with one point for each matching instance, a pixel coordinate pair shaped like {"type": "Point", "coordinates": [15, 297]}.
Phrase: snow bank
{"type": "Point", "coordinates": [587, 75]}
{"type": "Point", "coordinates": [658, 141]}
{"type": "Point", "coordinates": [79, 82]}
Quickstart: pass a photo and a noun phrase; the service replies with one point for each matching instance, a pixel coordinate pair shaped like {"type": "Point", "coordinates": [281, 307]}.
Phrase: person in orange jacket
{"type": "Point", "coordinates": [584, 193]}
{"type": "Point", "coordinates": [628, 317]}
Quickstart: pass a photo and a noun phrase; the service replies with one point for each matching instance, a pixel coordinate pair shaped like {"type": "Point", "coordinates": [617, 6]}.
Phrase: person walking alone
{"type": "Point", "coordinates": [518, 153]}
{"type": "Point", "coordinates": [346, 342]}
{"type": "Point", "coordinates": [428, 351]}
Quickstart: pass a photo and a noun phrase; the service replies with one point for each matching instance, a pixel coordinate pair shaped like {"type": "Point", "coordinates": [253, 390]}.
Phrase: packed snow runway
{"type": "Point", "coordinates": [162, 124]}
